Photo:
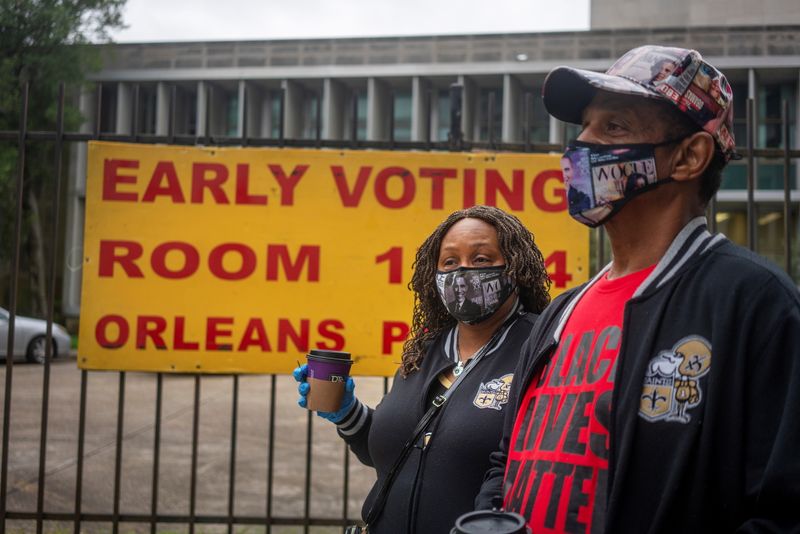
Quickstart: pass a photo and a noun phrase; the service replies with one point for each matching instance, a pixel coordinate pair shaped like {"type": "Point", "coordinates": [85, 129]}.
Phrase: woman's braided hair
{"type": "Point", "coordinates": [524, 264]}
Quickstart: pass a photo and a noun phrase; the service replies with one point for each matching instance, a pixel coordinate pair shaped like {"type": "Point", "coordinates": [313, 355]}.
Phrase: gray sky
{"type": "Point", "coordinates": [207, 20]}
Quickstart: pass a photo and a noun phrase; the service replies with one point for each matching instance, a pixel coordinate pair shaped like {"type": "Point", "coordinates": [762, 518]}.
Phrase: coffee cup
{"type": "Point", "coordinates": [490, 522]}
{"type": "Point", "coordinates": [327, 374]}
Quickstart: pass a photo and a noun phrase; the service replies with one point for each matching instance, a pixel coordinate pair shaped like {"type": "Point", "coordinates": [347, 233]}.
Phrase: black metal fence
{"type": "Point", "coordinates": [82, 516]}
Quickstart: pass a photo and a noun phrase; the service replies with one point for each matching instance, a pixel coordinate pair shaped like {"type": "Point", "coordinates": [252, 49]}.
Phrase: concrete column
{"type": "Point", "coordinates": [378, 107]}
{"type": "Point", "coordinates": [333, 109]}
{"type": "Point", "coordinates": [556, 131]}
{"type": "Point", "coordinates": [240, 101]}
{"type": "Point", "coordinates": [162, 108]}
{"type": "Point", "coordinates": [75, 205]}
{"type": "Point", "coordinates": [124, 108]}
{"type": "Point", "coordinates": [202, 107]}
{"type": "Point", "coordinates": [420, 122]}
{"type": "Point", "coordinates": [512, 109]}
{"type": "Point", "coordinates": [293, 113]}
{"type": "Point", "coordinates": [469, 112]}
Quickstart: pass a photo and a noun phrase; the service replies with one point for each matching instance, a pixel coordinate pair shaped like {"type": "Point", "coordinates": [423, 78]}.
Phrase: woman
{"type": "Point", "coordinates": [478, 282]}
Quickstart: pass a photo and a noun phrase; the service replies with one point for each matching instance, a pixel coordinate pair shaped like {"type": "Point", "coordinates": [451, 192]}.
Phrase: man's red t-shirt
{"type": "Point", "coordinates": [558, 459]}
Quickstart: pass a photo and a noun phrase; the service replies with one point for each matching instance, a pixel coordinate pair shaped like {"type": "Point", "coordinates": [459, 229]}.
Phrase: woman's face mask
{"type": "Point", "coordinates": [600, 179]}
{"type": "Point", "coordinates": [473, 294]}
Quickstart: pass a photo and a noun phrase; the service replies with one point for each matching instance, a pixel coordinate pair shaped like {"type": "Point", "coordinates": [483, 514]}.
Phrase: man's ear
{"type": "Point", "coordinates": [692, 156]}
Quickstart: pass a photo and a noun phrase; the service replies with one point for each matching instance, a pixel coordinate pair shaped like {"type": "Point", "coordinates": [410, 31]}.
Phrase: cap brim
{"type": "Point", "coordinates": [567, 91]}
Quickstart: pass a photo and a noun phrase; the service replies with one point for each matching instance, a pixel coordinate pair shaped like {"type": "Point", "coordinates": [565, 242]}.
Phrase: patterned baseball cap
{"type": "Point", "coordinates": [677, 75]}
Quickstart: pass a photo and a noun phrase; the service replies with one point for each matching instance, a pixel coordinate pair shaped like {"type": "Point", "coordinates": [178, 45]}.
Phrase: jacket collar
{"type": "Point", "coordinates": [693, 240]}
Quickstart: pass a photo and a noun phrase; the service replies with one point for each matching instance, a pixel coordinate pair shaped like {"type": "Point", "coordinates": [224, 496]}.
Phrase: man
{"type": "Point", "coordinates": [462, 304]}
{"type": "Point", "coordinates": [663, 395]}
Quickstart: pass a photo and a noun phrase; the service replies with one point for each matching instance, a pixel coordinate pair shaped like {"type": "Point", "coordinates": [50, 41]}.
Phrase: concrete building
{"type": "Point", "coordinates": [236, 88]}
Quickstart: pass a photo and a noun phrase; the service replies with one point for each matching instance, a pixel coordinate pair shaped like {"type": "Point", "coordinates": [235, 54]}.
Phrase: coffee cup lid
{"type": "Point", "coordinates": [490, 521]}
{"type": "Point", "coordinates": [335, 354]}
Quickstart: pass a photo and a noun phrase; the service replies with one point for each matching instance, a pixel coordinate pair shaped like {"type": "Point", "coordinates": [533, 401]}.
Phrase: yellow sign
{"type": "Point", "coordinates": [239, 260]}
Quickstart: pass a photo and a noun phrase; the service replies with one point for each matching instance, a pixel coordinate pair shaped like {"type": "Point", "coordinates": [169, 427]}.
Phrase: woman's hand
{"type": "Point", "coordinates": [301, 375]}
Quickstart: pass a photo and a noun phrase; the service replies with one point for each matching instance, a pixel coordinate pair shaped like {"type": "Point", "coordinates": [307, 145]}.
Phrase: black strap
{"type": "Point", "coordinates": [438, 401]}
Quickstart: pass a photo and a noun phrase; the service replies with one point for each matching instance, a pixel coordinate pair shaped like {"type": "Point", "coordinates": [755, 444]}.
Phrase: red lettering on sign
{"type": "Point", "coordinates": [191, 260]}
{"type": "Point", "coordinates": [179, 340]}
{"type": "Point", "coordinates": [112, 178]}
{"type": "Point", "coordinates": [559, 276]}
{"type": "Point", "coordinates": [307, 255]}
{"type": "Point", "coordinates": [382, 187]}
{"type": "Point", "coordinates": [150, 326]}
{"type": "Point", "coordinates": [254, 335]}
{"type": "Point", "coordinates": [214, 331]}
{"type": "Point", "coordinates": [395, 258]}
{"type": "Point", "coordinates": [243, 195]}
{"type": "Point", "coordinates": [217, 266]}
{"type": "Point", "coordinates": [209, 176]}
{"type": "Point", "coordinates": [101, 331]}
{"type": "Point", "coordinates": [393, 332]}
{"type": "Point", "coordinates": [327, 329]}
{"type": "Point", "coordinates": [469, 188]}
{"type": "Point", "coordinates": [286, 331]}
{"type": "Point", "coordinates": [165, 170]}
{"type": "Point", "coordinates": [437, 176]}
{"type": "Point", "coordinates": [350, 198]}
{"type": "Point", "coordinates": [129, 252]}
{"type": "Point", "coordinates": [537, 191]}
{"type": "Point", "coordinates": [514, 195]}
{"type": "Point", "coordinates": [288, 183]}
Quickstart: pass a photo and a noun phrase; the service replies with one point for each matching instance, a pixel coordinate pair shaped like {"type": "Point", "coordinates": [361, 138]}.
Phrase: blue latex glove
{"type": "Point", "coordinates": [301, 374]}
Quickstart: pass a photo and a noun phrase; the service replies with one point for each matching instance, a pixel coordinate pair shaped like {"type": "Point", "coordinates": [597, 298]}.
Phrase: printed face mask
{"type": "Point", "coordinates": [472, 295]}
{"type": "Point", "coordinates": [600, 179]}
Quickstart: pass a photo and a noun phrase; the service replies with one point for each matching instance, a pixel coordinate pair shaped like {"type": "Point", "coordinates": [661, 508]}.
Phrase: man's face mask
{"type": "Point", "coordinates": [472, 295]}
{"type": "Point", "coordinates": [600, 179]}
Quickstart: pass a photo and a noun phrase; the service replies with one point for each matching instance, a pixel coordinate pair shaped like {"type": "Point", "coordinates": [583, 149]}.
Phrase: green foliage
{"type": "Point", "coordinates": [42, 43]}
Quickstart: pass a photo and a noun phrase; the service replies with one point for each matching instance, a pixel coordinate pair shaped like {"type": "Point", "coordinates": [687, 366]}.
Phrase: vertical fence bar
{"type": "Point", "coordinates": [490, 119]}
{"type": "Point", "coordinates": [136, 113]}
{"type": "Point", "coordinates": [51, 292]}
{"type": "Point", "coordinates": [527, 120]}
{"type": "Point", "coordinates": [193, 476]}
{"type": "Point", "coordinates": [787, 212]}
{"type": "Point", "coordinates": [156, 453]}
{"type": "Point", "coordinates": [307, 498]}
{"type": "Point", "coordinates": [428, 117]}
{"type": "Point", "coordinates": [751, 234]}
{"type": "Point", "coordinates": [232, 474]}
{"type": "Point", "coordinates": [245, 136]}
{"type": "Point", "coordinates": [12, 302]}
{"type": "Point", "coordinates": [318, 126]}
{"type": "Point", "coordinates": [79, 467]}
{"type": "Point", "coordinates": [271, 452]}
{"type": "Point", "coordinates": [98, 109]}
{"type": "Point", "coordinates": [173, 98]}
{"type": "Point", "coordinates": [354, 122]}
{"type": "Point", "coordinates": [391, 119]}
{"type": "Point", "coordinates": [118, 453]}
{"type": "Point", "coordinates": [282, 118]}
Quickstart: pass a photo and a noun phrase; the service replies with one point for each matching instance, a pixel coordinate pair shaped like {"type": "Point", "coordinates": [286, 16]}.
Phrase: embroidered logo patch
{"type": "Point", "coordinates": [494, 393]}
{"type": "Point", "coordinates": [671, 384]}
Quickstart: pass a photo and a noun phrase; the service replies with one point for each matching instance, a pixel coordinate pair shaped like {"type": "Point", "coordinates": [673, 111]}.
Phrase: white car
{"type": "Point", "coordinates": [29, 338]}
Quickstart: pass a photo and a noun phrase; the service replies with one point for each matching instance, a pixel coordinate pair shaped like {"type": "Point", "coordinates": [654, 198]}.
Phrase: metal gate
{"type": "Point", "coordinates": [261, 491]}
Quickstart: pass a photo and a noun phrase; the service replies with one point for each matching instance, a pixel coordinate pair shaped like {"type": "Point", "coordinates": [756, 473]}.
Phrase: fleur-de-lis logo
{"type": "Point", "coordinates": [671, 383]}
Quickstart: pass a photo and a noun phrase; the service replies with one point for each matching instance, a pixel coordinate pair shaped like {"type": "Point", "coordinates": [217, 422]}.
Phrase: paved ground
{"type": "Point", "coordinates": [137, 452]}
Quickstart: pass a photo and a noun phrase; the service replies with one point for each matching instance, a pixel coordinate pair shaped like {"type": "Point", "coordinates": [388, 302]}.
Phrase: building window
{"type": "Point", "coordinates": [402, 115]}
{"type": "Point", "coordinates": [539, 126]}
{"type": "Point", "coordinates": [108, 108]}
{"type": "Point", "coordinates": [186, 110]}
{"type": "Point", "coordinates": [442, 115]}
{"type": "Point", "coordinates": [770, 105]}
{"type": "Point", "coordinates": [146, 120]}
{"type": "Point", "coordinates": [232, 114]}
{"type": "Point", "coordinates": [483, 114]}
{"type": "Point", "coordinates": [310, 115]}
{"type": "Point", "coordinates": [769, 232]}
